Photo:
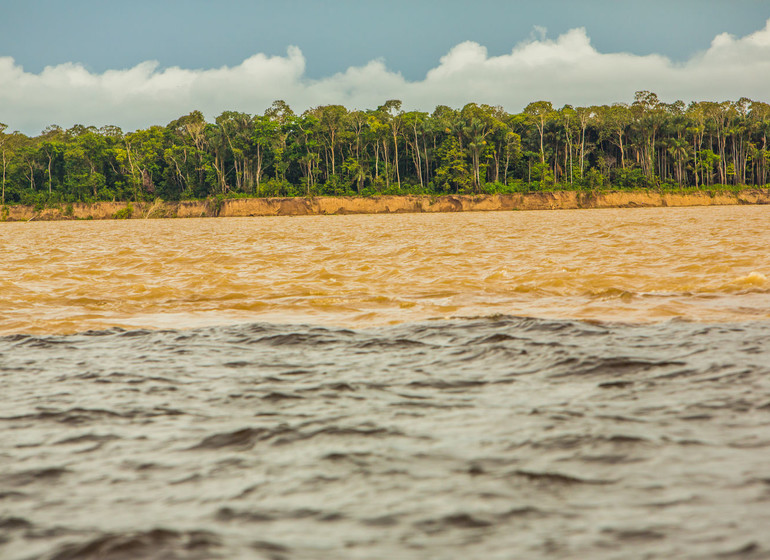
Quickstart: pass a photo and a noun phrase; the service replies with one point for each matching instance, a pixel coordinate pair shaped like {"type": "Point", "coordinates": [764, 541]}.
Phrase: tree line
{"type": "Point", "coordinates": [329, 150]}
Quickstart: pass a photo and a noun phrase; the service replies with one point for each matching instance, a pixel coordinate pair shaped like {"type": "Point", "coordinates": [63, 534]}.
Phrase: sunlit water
{"type": "Point", "coordinates": [703, 264]}
{"type": "Point", "coordinates": [563, 384]}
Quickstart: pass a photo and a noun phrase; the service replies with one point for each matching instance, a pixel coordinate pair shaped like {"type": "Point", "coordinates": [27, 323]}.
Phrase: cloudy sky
{"type": "Point", "coordinates": [142, 62]}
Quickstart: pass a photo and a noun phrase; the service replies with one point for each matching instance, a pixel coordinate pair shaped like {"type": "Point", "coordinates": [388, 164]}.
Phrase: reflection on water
{"type": "Point", "coordinates": [704, 264]}
{"type": "Point", "coordinates": [220, 430]}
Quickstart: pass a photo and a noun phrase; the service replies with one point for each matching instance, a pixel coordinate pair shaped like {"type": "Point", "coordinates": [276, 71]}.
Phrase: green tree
{"type": "Point", "coordinates": [479, 124]}
{"type": "Point", "coordinates": [332, 119]}
{"type": "Point", "coordinates": [283, 117]}
{"type": "Point", "coordinates": [452, 172]}
{"type": "Point", "coordinates": [307, 146]}
{"type": "Point", "coordinates": [648, 118]}
{"type": "Point", "coordinates": [237, 130]}
{"type": "Point", "coordinates": [414, 122]}
{"type": "Point", "coordinates": [615, 121]}
{"type": "Point", "coordinates": [679, 149]}
{"type": "Point", "coordinates": [264, 131]}
{"type": "Point", "coordinates": [540, 114]}
{"type": "Point", "coordinates": [188, 156]}
{"type": "Point", "coordinates": [52, 147]}
{"type": "Point", "coordinates": [143, 154]}
{"type": "Point", "coordinates": [393, 117]}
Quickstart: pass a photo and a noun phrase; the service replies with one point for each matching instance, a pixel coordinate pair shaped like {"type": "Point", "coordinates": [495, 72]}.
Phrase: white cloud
{"type": "Point", "coordinates": [565, 70]}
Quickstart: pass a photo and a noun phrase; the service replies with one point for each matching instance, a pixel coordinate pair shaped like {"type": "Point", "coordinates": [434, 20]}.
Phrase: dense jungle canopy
{"type": "Point", "coordinates": [329, 150]}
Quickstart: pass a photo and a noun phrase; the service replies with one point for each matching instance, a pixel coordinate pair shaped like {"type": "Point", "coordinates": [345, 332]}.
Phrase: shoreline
{"type": "Point", "coordinates": [389, 204]}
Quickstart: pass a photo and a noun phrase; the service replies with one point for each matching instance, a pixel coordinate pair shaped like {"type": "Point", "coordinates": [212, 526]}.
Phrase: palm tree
{"type": "Point", "coordinates": [680, 151]}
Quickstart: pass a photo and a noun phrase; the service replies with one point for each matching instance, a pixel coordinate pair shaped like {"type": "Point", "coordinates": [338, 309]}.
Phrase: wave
{"type": "Point", "coordinates": [443, 436]}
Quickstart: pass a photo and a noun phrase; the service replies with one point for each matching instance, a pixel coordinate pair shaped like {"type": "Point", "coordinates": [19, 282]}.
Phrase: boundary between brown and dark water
{"type": "Point", "coordinates": [243, 207]}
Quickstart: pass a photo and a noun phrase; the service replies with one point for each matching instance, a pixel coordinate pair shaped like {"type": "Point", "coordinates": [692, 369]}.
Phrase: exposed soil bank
{"type": "Point", "coordinates": [241, 207]}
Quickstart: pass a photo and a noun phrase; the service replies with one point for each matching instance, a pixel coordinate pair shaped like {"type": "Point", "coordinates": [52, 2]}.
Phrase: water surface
{"type": "Point", "coordinates": [365, 387]}
{"type": "Point", "coordinates": [703, 264]}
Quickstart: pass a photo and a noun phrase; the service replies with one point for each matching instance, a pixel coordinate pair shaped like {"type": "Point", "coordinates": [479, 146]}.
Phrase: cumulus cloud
{"type": "Point", "coordinates": [567, 69]}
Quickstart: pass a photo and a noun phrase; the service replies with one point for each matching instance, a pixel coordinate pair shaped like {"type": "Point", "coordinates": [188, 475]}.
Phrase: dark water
{"type": "Point", "coordinates": [470, 438]}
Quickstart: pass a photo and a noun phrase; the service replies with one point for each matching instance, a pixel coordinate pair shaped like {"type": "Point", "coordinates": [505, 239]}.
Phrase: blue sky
{"type": "Point", "coordinates": [409, 35]}
{"type": "Point", "coordinates": [425, 52]}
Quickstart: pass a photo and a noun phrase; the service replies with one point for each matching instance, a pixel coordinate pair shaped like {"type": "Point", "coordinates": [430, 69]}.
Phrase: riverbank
{"type": "Point", "coordinates": [243, 207]}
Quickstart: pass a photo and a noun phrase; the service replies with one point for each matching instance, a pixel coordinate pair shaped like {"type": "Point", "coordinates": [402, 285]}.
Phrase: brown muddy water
{"type": "Point", "coordinates": [562, 384]}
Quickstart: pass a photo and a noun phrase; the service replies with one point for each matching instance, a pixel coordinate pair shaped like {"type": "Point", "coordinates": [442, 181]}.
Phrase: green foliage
{"type": "Point", "coordinates": [125, 213]}
{"type": "Point", "coordinates": [282, 188]}
{"type": "Point", "coordinates": [543, 176]}
{"type": "Point", "coordinates": [330, 151]}
{"type": "Point", "coordinates": [632, 179]}
{"type": "Point", "coordinates": [594, 180]}
{"type": "Point", "coordinates": [452, 172]}
{"type": "Point", "coordinates": [335, 186]}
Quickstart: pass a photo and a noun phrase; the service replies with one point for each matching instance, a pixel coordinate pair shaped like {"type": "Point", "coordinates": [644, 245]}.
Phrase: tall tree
{"type": "Point", "coordinates": [52, 146]}
{"type": "Point", "coordinates": [3, 140]}
{"type": "Point", "coordinates": [394, 119]}
{"type": "Point", "coordinates": [648, 118]}
{"type": "Point", "coordinates": [478, 125]}
{"type": "Point", "coordinates": [616, 119]}
{"type": "Point", "coordinates": [283, 116]}
{"type": "Point", "coordinates": [540, 113]}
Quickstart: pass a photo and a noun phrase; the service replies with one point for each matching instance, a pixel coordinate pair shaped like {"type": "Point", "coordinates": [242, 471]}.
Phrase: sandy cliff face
{"type": "Point", "coordinates": [241, 207]}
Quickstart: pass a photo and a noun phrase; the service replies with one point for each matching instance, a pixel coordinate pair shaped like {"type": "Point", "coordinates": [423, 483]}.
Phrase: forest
{"type": "Point", "coordinates": [329, 150]}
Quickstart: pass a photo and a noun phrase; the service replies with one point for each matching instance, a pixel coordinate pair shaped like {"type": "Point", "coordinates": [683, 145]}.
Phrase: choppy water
{"type": "Point", "coordinates": [225, 431]}
{"type": "Point", "coordinates": [704, 264]}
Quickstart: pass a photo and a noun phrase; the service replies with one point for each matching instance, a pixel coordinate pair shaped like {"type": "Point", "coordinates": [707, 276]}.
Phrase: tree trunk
{"type": "Point", "coordinates": [50, 160]}
{"type": "Point", "coordinates": [507, 160]}
{"type": "Point", "coordinates": [376, 160]}
{"type": "Point", "coordinates": [395, 159]}
{"type": "Point", "coordinates": [541, 129]}
{"type": "Point", "coordinates": [418, 163]}
{"type": "Point", "coordinates": [5, 165]}
{"type": "Point", "coordinates": [258, 175]}
{"type": "Point", "coordinates": [387, 162]}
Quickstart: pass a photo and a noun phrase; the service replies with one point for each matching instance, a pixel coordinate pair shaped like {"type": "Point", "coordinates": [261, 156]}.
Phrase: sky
{"type": "Point", "coordinates": [144, 62]}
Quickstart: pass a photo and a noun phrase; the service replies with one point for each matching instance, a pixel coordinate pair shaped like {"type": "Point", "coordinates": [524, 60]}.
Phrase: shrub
{"type": "Point", "coordinates": [125, 213]}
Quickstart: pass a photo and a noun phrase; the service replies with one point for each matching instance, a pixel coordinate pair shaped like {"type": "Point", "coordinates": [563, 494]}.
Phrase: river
{"type": "Point", "coordinates": [560, 384]}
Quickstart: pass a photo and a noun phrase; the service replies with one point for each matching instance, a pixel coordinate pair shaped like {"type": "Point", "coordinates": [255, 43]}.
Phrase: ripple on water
{"type": "Point", "coordinates": [542, 424]}
{"type": "Point", "coordinates": [451, 437]}
{"type": "Point", "coordinates": [705, 264]}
